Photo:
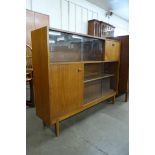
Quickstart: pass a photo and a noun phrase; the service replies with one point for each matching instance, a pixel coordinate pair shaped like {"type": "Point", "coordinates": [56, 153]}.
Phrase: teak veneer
{"type": "Point", "coordinates": [61, 87]}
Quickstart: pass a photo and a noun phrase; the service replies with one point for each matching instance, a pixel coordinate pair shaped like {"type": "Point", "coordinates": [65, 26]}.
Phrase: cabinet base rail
{"type": "Point", "coordinates": [57, 122]}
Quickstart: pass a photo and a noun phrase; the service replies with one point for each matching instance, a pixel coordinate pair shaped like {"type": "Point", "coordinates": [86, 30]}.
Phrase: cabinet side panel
{"type": "Point", "coordinates": [40, 61]}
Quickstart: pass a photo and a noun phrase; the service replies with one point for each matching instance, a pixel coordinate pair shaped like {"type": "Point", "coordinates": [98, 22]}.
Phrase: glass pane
{"type": "Point", "coordinates": [93, 70]}
{"type": "Point", "coordinates": [92, 90]}
{"type": "Point", "coordinates": [69, 47]}
{"type": "Point", "coordinates": [106, 88]}
{"type": "Point", "coordinates": [92, 49]}
{"type": "Point", "coordinates": [64, 47]}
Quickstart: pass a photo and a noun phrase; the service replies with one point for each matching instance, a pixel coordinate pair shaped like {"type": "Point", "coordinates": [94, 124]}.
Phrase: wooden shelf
{"type": "Point", "coordinates": [94, 78]}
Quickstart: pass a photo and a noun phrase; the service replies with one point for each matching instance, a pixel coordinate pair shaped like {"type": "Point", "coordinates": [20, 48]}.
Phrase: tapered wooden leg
{"type": "Point", "coordinates": [126, 97]}
{"type": "Point", "coordinates": [113, 101]}
{"type": "Point", "coordinates": [44, 125]}
{"type": "Point", "coordinates": [57, 128]}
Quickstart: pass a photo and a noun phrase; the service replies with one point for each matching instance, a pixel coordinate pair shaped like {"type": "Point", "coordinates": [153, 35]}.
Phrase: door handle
{"type": "Point", "coordinates": [79, 69]}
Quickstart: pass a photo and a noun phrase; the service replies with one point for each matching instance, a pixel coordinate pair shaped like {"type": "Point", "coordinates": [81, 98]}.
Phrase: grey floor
{"type": "Point", "coordinates": [101, 130]}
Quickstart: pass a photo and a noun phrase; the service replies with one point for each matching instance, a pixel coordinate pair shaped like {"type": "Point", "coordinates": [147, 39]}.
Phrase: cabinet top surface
{"type": "Point", "coordinates": [80, 34]}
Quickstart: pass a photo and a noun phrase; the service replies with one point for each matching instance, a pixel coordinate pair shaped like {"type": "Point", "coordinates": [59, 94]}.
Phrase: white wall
{"type": "Point", "coordinates": [73, 15]}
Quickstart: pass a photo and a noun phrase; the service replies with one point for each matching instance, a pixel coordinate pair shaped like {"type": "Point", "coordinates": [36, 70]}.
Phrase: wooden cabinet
{"type": "Point", "coordinates": [70, 74]}
{"type": "Point", "coordinates": [100, 28]}
{"type": "Point", "coordinates": [112, 50]}
{"type": "Point", "coordinates": [34, 20]}
{"type": "Point", "coordinates": [106, 30]}
{"type": "Point", "coordinates": [94, 27]}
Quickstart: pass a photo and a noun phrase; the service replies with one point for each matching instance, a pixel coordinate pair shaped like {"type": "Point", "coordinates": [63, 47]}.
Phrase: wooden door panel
{"type": "Point", "coordinates": [66, 88]}
{"type": "Point", "coordinates": [112, 50]}
{"type": "Point", "coordinates": [29, 26]}
{"type": "Point", "coordinates": [41, 20]}
{"type": "Point", "coordinates": [117, 51]}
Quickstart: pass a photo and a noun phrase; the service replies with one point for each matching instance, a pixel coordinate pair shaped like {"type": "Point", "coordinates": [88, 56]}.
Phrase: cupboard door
{"type": "Point", "coordinates": [66, 88]}
{"type": "Point", "coordinates": [29, 26]}
{"type": "Point", "coordinates": [41, 20]}
{"type": "Point", "coordinates": [112, 50]}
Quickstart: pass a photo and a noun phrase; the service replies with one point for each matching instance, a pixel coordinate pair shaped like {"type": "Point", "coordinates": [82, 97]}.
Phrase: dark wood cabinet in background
{"type": "Point", "coordinates": [100, 28]}
{"type": "Point", "coordinates": [123, 86]}
{"type": "Point", "coordinates": [34, 20]}
{"type": "Point", "coordinates": [94, 27]}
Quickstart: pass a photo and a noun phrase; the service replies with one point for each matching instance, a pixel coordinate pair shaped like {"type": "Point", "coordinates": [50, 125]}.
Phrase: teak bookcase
{"type": "Point", "coordinates": [70, 73]}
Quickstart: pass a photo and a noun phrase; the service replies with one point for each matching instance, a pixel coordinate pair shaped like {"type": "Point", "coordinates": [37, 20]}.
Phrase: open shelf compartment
{"type": "Point", "coordinates": [99, 80]}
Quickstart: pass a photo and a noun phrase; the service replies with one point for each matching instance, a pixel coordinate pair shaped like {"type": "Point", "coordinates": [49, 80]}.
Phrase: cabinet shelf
{"type": "Point", "coordinates": [97, 77]}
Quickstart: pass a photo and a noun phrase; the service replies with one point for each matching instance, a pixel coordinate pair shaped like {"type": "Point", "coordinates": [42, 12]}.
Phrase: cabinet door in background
{"type": "Point", "coordinates": [41, 20]}
{"type": "Point", "coordinates": [29, 26]}
{"type": "Point", "coordinates": [112, 50]}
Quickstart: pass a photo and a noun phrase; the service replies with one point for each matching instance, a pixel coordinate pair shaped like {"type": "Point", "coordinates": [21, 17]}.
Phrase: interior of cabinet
{"type": "Point", "coordinates": [99, 80]}
{"type": "Point", "coordinates": [66, 47]}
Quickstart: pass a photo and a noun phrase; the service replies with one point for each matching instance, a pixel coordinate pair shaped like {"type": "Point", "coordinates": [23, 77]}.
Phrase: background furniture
{"type": "Point", "coordinates": [29, 75]}
{"type": "Point", "coordinates": [70, 74]}
{"type": "Point", "coordinates": [123, 86]}
{"type": "Point", "coordinates": [94, 27]}
{"type": "Point", "coordinates": [34, 20]}
{"type": "Point", "coordinates": [100, 29]}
